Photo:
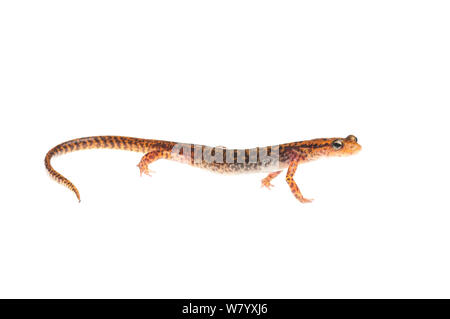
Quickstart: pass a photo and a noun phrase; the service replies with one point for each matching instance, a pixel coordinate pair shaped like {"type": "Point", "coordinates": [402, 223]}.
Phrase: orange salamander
{"type": "Point", "coordinates": [272, 159]}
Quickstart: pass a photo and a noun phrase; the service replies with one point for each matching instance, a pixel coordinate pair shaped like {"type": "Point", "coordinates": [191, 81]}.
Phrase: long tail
{"type": "Point", "coordinates": [113, 142]}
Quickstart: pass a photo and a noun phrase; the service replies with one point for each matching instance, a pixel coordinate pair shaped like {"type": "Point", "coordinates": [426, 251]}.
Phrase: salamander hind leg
{"type": "Point", "coordinates": [265, 182]}
{"type": "Point", "coordinates": [294, 188]}
{"type": "Point", "coordinates": [148, 158]}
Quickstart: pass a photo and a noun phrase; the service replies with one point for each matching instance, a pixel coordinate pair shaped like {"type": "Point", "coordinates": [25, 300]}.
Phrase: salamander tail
{"type": "Point", "coordinates": [94, 142]}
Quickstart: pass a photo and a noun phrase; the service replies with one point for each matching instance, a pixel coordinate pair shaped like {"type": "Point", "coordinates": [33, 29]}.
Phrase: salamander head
{"type": "Point", "coordinates": [343, 146]}
{"type": "Point", "coordinates": [324, 147]}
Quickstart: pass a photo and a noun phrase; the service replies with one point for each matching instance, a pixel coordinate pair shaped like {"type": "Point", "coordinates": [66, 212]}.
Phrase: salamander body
{"type": "Point", "coordinates": [273, 159]}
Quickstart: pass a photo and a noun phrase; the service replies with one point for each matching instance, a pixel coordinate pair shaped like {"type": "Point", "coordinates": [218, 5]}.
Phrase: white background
{"type": "Point", "coordinates": [239, 74]}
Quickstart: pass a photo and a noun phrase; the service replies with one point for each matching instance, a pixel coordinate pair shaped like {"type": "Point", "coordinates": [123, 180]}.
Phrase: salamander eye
{"type": "Point", "coordinates": [353, 138]}
{"type": "Point", "coordinates": [337, 144]}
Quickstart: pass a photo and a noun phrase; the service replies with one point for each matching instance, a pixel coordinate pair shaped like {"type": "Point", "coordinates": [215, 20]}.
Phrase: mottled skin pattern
{"type": "Point", "coordinates": [218, 159]}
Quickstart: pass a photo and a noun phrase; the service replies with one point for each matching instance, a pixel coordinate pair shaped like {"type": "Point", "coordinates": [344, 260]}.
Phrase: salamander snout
{"type": "Point", "coordinates": [352, 144]}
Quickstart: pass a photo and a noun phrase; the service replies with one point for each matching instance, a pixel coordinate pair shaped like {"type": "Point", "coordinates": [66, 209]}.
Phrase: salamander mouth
{"type": "Point", "coordinates": [352, 150]}
{"type": "Point", "coordinates": [355, 149]}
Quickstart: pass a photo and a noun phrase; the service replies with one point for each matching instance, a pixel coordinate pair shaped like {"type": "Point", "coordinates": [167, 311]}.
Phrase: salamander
{"type": "Point", "coordinates": [272, 159]}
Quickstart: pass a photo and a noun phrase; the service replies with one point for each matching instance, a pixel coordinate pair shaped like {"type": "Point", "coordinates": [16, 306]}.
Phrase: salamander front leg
{"type": "Point", "coordinates": [148, 158]}
{"type": "Point", "coordinates": [294, 188]}
{"type": "Point", "coordinates": [266, 181]}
